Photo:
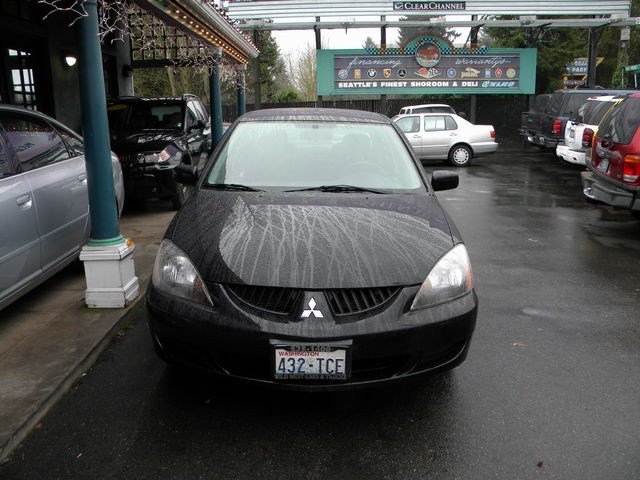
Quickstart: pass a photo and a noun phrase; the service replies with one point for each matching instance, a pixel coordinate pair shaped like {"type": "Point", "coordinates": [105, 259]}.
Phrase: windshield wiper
{"type": "Point", "coordinates": [336, 188]}
{"type": "Point", "coordinates": [233, 186]}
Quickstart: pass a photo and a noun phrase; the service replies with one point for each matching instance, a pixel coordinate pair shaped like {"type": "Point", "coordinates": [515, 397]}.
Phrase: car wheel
{"type": "Point", "coordinates": [460, 156]}
{"type": "Point", "coordinates": [182, 193]}
{"type": "Point", "coordinates": [635, 214]}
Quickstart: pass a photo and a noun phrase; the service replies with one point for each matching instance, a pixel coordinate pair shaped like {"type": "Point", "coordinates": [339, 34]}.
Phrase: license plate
{"type": "Point", "coordinates": [603, 166]}
{"type": "Point", "coordinates": [311, 362]}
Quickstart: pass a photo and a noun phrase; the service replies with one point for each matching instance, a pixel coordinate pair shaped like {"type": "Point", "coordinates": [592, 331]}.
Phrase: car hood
{"type": "Point", "coordinates": [312, 241]}
{"type": "Point", "coordinates": [149, 141]}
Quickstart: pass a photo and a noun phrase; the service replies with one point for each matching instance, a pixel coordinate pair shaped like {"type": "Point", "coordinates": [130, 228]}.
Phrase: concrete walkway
{"type": "Point", "coordinates": [48, 338]}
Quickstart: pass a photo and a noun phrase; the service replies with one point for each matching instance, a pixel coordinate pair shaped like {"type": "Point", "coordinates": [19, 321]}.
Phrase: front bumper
{"type": "Point", "coordinates": [571, 156]}
{"type": "Point", "coordinates": [389, 345]}
{"type": "Point", "coordinates": [150, 181]}
{"type": "Point", "coordinates": [596, 189]}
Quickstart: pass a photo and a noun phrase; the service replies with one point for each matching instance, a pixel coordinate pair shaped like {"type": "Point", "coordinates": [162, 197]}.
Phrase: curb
{"type": "Point", "coordinates": [72, 377]}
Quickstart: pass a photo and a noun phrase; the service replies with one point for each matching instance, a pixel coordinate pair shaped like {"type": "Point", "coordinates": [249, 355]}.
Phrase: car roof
{"type": "Point", "coordinates": [428, 105]}
{"type": "Point", "coordinates": [5, 107]}
{"type": "Point", "coordinates": [427, 114]}
{"type": "Point", "coordinates": [15, 108]}
{"type": "Point", "coordinates": [146, 100]}
{"type": "Point", "coordinates": [603, 98]}
{"type": "Point", "coordinates": [311, 114]}
{"type": "Point", "coordinates": [596, 91]}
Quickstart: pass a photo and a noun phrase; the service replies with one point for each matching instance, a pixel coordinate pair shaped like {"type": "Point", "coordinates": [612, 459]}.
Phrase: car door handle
{"type": "Point", "coordinates": [24, 201]}
{"type": "Point", "coordinates": [453, 134]}
{"type": "Point", "coordinates": [82, 177]}
{"type": "Point", "coordinates": [416, 136]}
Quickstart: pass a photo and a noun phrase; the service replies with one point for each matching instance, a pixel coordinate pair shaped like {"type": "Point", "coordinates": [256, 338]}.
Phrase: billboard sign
{"type": "Point", "coordinates": [428, 66]}
{"type": "Point", "coordinates": [429, 6]}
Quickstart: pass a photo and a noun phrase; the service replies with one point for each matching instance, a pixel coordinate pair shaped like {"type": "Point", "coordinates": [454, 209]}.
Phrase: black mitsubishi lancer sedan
{"type": "Point", "coordinates": [312, 253]}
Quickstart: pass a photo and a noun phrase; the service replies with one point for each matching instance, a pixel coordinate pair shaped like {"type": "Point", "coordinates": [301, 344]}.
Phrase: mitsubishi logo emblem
{"type": "Point", "coordinates": [312, 310]}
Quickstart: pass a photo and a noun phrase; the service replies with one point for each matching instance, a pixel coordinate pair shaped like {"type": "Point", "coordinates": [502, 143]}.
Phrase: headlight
{"type": "Point", "coordinates": [450, 278]}
{"type": "Point", "coordinates": [148, 158]}
{"type": "Point", "coordinates": [161, 158]}
{"type": "Point", "coordinates": [173, 273]}
{"type": "Point", "coordinates": [170, 152]}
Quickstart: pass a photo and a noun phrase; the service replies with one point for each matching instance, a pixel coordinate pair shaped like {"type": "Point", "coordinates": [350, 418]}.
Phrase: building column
{"type": "Point", "coordinates": [107, 257]}
{"type": "Point", "coordinates": [125, 71]}
{"type": "Point", "coordinates": [383, 47]}
{"type": "Point", "coordinates": [318, 35]}
{"type": "Point", "coordinates": [594, 38]}
{"type": "Point", "coordinates": [240, 89]}
{"type": "Point", "coordinates": [216, 99]}
{"type": "Point", "coordinates": [257, 100]}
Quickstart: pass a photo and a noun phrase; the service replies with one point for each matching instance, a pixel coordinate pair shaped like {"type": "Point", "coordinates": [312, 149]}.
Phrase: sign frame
{"type": "Point", "coordinates": [326, 75]}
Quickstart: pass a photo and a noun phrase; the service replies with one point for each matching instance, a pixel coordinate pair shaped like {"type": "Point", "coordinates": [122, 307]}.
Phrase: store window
{"type": "Point", "coordinates": [22, 88]}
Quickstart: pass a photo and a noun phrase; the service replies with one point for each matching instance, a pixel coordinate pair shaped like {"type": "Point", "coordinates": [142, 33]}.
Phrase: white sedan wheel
{"type": "Point", "coordinates": [460, 156]}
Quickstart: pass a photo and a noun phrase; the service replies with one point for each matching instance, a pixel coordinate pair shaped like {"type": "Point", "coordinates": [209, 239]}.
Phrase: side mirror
{"type": "Point", "coordinates": [197, 125]}
{"type": "Point", "coordinates": [185, 174]}
{"type": "Point", "coordinates": [444, 180]}
{"type": "Point", "coordinates": [462, 115]}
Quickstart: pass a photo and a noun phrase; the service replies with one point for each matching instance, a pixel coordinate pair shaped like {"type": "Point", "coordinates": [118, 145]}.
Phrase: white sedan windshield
{"type": "Point", "coordinates": [308, 154]}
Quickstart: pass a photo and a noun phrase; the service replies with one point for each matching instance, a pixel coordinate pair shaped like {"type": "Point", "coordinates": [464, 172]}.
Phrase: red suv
{"type": "Point", "coordinates": [614, 168]}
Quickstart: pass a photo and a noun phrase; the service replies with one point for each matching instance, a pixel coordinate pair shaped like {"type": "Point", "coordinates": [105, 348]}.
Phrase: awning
{"type": "Point", "coordinates": [207, 23]}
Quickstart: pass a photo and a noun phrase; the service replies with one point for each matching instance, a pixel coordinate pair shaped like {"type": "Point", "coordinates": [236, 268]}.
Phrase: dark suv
{"type": "Point", "coordinates": [614, 168]}
{"type": "Point", "coordinates": [544, 125]}
{"type": "Point", "coordinates": [142, 128]}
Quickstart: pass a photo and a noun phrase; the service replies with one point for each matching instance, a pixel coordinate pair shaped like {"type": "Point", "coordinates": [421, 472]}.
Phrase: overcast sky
{"type": "Point", "coordinates": [291, 42]}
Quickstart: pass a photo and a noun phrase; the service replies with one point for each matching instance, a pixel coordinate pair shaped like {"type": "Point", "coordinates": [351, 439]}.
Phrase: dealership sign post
{"type": "Point", "coordinates": [427, 65]}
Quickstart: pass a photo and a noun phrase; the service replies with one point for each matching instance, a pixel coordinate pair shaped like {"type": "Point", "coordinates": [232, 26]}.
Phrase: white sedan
{"type": "Point", "coordinates": [447, 136]}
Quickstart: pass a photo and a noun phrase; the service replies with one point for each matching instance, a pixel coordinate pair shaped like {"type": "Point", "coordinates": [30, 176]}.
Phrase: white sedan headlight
{"type": "Point", "coordinates": [173, 273]}
{"type": "Point", "coordinates": [450, 278]}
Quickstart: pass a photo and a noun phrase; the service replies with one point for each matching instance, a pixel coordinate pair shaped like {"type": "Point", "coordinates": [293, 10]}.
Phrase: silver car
{"type": "Point", "coordinates": [44, 203]}
{"type": "Point", "coordinates": [447, 136]}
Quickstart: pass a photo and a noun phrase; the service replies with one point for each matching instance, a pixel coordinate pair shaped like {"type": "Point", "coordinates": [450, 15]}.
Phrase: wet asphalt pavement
{"type": "Point", "coordinates": [550, 390]}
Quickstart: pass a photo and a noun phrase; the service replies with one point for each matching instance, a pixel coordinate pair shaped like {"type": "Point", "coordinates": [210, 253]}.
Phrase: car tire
{"type": "Point", "coordinates": [460, 155]}
{"type": "Point", "coordinates": [635, 214]}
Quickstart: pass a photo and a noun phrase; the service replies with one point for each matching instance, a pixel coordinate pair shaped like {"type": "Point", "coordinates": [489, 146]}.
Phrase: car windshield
{"type": "Point", "coordinates": [307, 154]}
{"type": "Point", "coordinates": [146, 116]}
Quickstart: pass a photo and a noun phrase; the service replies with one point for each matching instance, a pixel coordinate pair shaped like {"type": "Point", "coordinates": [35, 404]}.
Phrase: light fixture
{"type": "Point", "coordinates": [70, 60]}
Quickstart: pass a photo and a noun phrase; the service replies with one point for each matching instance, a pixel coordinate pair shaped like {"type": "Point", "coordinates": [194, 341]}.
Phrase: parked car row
{"type": "Point", "coordinates": [613, 175]}
{"type": "Point", "coordinates": [598, 129]}
{"type": "Point", "coordinates": [580, 129]}
{"type": "Point", "coordinates": [544, 125]}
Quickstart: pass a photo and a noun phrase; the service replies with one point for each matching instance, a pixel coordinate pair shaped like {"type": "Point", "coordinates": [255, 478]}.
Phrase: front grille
{"type": "Point", "coordinates": [271, 299]}
{"type": "Point", "coordinates": [350, 301]}
{"type": "Point", "coordinates": [128, 159]}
